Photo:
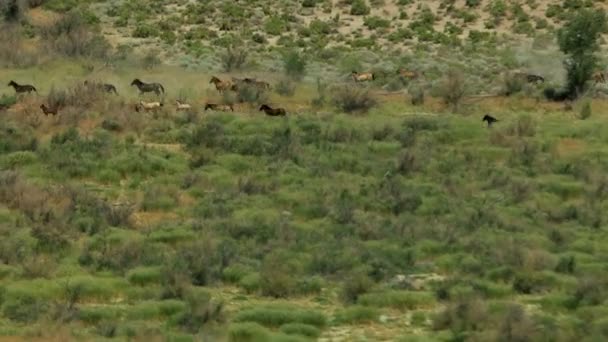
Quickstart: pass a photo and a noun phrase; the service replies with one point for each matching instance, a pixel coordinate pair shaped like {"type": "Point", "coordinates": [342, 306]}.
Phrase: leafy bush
{"type": "Point", "coordinates": [452, 88]}
{"type": "Point", "coordinates": [145, 31]}
{"type": "Point", "coordinates": [356, 285]}
{"type": "Point", "coordinates": [578, 39]}
{"type": "Point", "coordinates": [275, 26]}
{"type": "Point", "coordinates": [359, 7]}
{"type": "Point", "coordinates": [374, 22]}
{"type": "Point", "coordinates": [585, 112]}
{"type": "Point", "coordinates": [351, 98]}
{"type": "Point", "coordinates": [285, 87]}
{"type": "Point", "coordinates": [74, 35]}
{"type": "Point", "coordinates": [233, 58]}
{"type": "Point", "coordinates": [294, 65]}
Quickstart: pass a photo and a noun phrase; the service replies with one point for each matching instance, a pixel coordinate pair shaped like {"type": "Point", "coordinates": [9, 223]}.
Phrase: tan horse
{"type": "Point", "coordinates": [182, 106]}
{"type": "Point", "coordinates": [409, 74]}
{"type": "Point", "coordinates": [219, 107]}
{"type": "Point", "coordinates": [148, 106]}
{"type": "Point", "coordinates": [363, 76]}
{"type": "Point", "coordinates": [220, 85]}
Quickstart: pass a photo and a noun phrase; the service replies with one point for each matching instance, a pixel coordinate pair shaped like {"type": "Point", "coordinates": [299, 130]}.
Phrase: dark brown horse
{"type": "Point", "coordinates": [26, 88]}
{"type": "Point", "coordinates": [49, 110]}
{"type": "Point", "coordinates": [106, 87]}
{"type": "Point", "coordinates": [489, 119]}
{"type": "Point", "coordinates": [599, 77]}
{"type": "Point", "coordinates": [219, 107]}
{"type": "Point", "coordinates": [157, 88]}
{"type": "Point", "coordinates": [272, 111]}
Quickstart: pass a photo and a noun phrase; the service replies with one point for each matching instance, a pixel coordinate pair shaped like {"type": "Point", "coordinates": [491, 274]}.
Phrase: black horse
{"type": "Point", "coordinates": [273, 111]}
{"type": "Point", "coordinates": [26, 88]}
{"type": "Point", "coordinates": [157, 88]}
{"type": "Point", "coordinates": [531, 78]}
{"type": "Point", "coordinates": [489, 119]}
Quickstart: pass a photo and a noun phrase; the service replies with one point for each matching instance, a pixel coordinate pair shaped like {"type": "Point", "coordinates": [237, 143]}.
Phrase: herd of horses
{"type": "Point", "coordinates": [221, 86]}
{"type": "Point", "coordinates": [413, 75]}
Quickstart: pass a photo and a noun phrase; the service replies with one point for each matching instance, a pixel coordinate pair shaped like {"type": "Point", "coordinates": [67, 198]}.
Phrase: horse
{"type": "Point", "coordinates": [272, 111]}
{"type": "Point", "coordinates": [363, 76]}
{"type": "Point", "coordinates": [262, 85]}
{"type": "Point", "coordinates": [222, 86]}
{"type": "Point", "coordinates": [157, 88]}
{"type": "Point", "coordinates": [489, 119]}
{"type": "Point", "coordinates": [599, 77]}
{"type": "Point", "coordinates": [219, 107]}
{"type": "Point", "coordinates": [531, 78]}
{"type": "Point", "coordinates": [49, 110]}
{"type": "Point", "coordinates": [409, 74]}
{"type": "Point", "coordinates": [26, 88]}
{"type": "Point", "coordinates": [108, 88]}
{"type": "Point", "coordinates": [182, 106]}
{"type": "Point", "coordinates": [148, 106]}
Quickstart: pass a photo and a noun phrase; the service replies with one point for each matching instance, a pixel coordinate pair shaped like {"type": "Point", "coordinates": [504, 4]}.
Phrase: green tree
{"type": "Point", "coordinates": [578, 39]}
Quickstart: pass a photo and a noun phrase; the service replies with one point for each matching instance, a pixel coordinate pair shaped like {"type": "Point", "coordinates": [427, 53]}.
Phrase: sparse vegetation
{"type": "Point", "coordinates": [401, 223]}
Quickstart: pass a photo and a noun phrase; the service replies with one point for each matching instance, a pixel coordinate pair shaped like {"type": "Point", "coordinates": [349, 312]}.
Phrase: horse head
{"type": "Point", "coordinates": [136, 82]}
{"type": "Point", "coordinates": [264, 107]}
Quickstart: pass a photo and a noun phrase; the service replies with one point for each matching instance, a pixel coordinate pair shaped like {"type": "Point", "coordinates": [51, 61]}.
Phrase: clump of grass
{"type": "Point", "coordinates": [278, 316]}
{"type": "Point", "coordinates": [357, 315]}
{"type": "Point", "coordinates": [402, 300]}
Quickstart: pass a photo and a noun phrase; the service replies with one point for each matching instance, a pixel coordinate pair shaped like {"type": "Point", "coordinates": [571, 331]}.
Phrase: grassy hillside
{"type": "Point", "coordinates": [405, 219]}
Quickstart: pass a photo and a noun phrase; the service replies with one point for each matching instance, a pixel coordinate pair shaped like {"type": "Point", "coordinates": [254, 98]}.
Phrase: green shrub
{"type": "Point", "coordinates": [356, 285]}
{"type": "Point", "coordinates": [300, 329]}
{"type": "Point", "coordinates": [452, 88]}
{"type": "Point", "coordinates": [144, 275]}
{"type": "Point", "coordinates": [285, 87]}
{"type": "Point", "coordinates": [585, 112]}
{"type": "Point", "coordinates": [374, 22]}
{"type": "Point", "coordinates": [144, 31]}
{"type": "Point", "coordinates": [294, 65]}
{"type": "Point", "coordinates": [233, 58]}
{"type": "Point", "coordinates": [251, 283]}
{"type": "Point", "coordinates": [275, 26]}
{"type": "Point", "coordinates": [248, 332]}
{"type": "Point", "coordinates": [359, 7]}
{"type": "Point", "coordinates": [402, 300]}
{"type": "Point", "coordinates": [278, 316]}
{"type": "Point", "coordinates": [357, 315]}
{"type": "Point", "coordinates": [351, 99]}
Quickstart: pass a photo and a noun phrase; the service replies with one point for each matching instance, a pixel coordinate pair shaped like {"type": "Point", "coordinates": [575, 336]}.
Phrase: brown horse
{"type": "Point", "coordinates": [599, 77]}
{"type": "Point", "coordinates": [25, 88]}
{"type": "Point", "coordinates": [363, 76]}
{"type": "Point", "coordinates": [273, 111]}
{"type": "Point", "coordinates": [220, 85]}
{"type": "Point", "coordinates": [106, 87]}
{"type": "Point", "coordinates": [219, 107]}
{"type": "Point", "coordinates": [49, 110]}
{"type": "Point", "coordinates": [409, 74]}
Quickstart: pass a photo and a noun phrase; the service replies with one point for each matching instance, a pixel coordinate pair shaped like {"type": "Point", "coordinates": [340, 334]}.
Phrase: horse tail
{"type": "Point", "coordinates": [161, 88]}
{"type": "Point", "coordinates": [34, 89]}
